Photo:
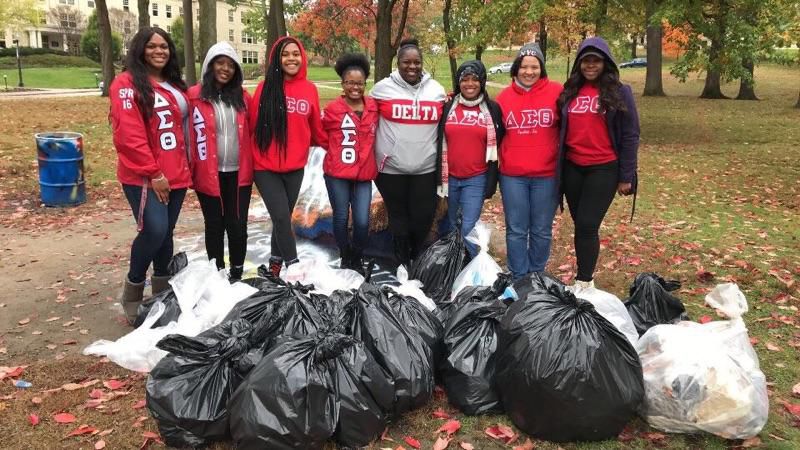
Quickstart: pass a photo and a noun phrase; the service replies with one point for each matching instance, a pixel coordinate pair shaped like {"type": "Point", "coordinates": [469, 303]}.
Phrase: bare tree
{"type": "Point", "coordinates": [188, 42]}
{"type": "Point", "coordinates": [144, 12]}
{"type": "Point", "coordinates": [70, 22]}
{"type": "Point", "coordinates": [208, 26]}
{"type": "Point", "coordinates": [106, 52]}
{"type": "Point", "coordinates": [124, 23]}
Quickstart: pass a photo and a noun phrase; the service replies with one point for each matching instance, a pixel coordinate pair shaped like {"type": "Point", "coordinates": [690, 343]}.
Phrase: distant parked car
{"type": "Point", "coordinates": [502, 68]}
{"type": "Point", "coordinates": [635, 62]}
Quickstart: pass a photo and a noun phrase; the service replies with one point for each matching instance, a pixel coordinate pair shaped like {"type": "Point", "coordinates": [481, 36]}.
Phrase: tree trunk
{"type": "Point", "coordinates": [797, 105]}
{"type": "Point", "coordinates": [543, 37]}
{"type": "Point", "coordinates": [144, 12]}
{"type": "Point", "coordinates": [653, 85]}
{"type": "Point", "coordinates": [451, 44]}
{"type": "Point", "coordinates": [383, 40]}
{"type": "Point", "coordinates": [106, 52]}
{"type": "Point", "coordinates": [276, 23]}
{"type": "Point", "coordinates": [601, 14]}
{"type": "Point", "coordinates": [747, 86]}
{"type": "Point", "coordinates": [188, 42]}
{"type": "Point", "coordinates": [479, 49]}
{"type": "Point", "coordinates": [633, 46]}
{"type": "Point", "coordinates": [208, 26]}
{"type": "Point", "coordinates": [713, 86]}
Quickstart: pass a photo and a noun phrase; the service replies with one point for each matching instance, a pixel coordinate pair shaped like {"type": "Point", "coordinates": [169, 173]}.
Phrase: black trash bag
{"type": "Point", "coordinates": [272, 294]}
{"type": "Point", "coordinates": [308, 389]}
{"type": "Point", "coordinates": [188, 390]}
{"type": "Point", "coordinates": [470, 339]}
{"type": "Point", "coordinates": [473, 293]}
{"type": "Point", "coordinates": [403, 354]}
{"type": "Point", "coordinates": [650, 302]}
{"type": "Point", "coordinates": [172, 310]}
{"type": "Point", "coordinates": [439, 265]}
{"type": "Point", "coordinates": [333, 308]}
{"type": "Point", "coordinates": [565, 373]}
{"type": "Point", "coordinates": [420, 320]}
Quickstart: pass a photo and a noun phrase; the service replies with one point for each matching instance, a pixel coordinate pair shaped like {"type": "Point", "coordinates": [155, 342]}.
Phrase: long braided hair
{"type": "Point", "coordinates": [271, 121]}
{"type": "Point", "coordinates": [134, 63]}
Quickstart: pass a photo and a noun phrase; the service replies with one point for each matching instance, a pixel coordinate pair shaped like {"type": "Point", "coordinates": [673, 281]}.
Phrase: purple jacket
{"type": "Point", "coordinates": [623, 127]}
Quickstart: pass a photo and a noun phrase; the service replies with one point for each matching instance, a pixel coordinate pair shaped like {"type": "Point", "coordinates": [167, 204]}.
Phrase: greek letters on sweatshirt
{"type": "Point", "coordinates": [588, 141]}
{"type": "Point", "coordinates": [405, 142]}
{"type": "Point", "coordinates": [530, 145]}
{"type": "Point", "coordinates": [465, 131]}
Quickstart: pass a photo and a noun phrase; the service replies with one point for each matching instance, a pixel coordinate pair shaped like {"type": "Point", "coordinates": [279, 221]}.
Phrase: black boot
{"type": "Point", "coordinates": [344, 257]}
{"type": "Point", "coordinates": [402, 251]}
{"type": "Point", "coordinates": [235, 274]}
{"type": "Point", "coordinates": [356, 261]}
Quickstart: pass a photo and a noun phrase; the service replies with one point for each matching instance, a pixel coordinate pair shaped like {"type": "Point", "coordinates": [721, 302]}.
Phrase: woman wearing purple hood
{"type": "Point", "coordinates": [599, 143]}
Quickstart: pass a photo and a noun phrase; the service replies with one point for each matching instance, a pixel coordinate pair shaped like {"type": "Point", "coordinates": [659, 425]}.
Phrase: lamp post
{"type": "Point", "coordinates": [5, 79]}
{"type": "Point", "coordinates": [19, 64]}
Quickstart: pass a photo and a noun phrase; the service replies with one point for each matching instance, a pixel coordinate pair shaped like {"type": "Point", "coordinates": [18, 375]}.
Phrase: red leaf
{"type": "Point", "coordinates": [151, 435]}
{"type": "Point", "coordinates": [704, 276]}
{"type": "Point", "coordinates": [96, 393]}
{"type": "Point", "coordinates": [81, 430]}
{"type": "Point", "coordinates": [467, 446]}
{"type": "Point", "coordinates": [633, 261]}
{"type": "Point", "coordinates": [64, 418]}
{"type": "Point", "coordinates": [411, 441]}
{"type": "Point", "coordinates": [705, 319]}
{"type": "Point", "coordinates": [139, 405]}
{"type": "Point", "coordinates": [440, 414]}
{"type": "Point", "coordinates": [15, 372]}
{"type": "Point", "coordinates": [528, 445]}
{"type": "Point", "coordinates": [385, 435]}
{"type": "Point", "coordinates": [792, 408]}
{"type": "Point", "coordinates": [654, 437]}
{"type": "Point", "coordinates": [501, 432]}
{"type": "Point", "coordinates": [441, 443]}
{"type": "Point", "coordinates": [450, 427]}
{"type": "Point", "coordinates": [33, 419]}
{"type": "Point", "coordinates": [114, 384]}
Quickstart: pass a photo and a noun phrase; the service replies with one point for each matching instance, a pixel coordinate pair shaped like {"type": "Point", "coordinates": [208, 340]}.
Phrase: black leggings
{"type": "Point", "coordinates": [226, 214]}
{"type": "Point", "coordinates": [279, 192]}
{"type": "Point", "coordinates": [589, 191]}
{"type": "Point", "coordinates": [411, 204]}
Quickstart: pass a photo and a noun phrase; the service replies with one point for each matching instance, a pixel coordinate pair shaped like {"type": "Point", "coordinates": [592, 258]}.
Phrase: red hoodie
{"type": "Point", "coordinates": [303, 120]}
{"type": "Point", "coordinates": [203, 138]}
{"type": "Point", "coordinates": [351, 140]}
{"type": "Point", "coordinates": [148, 149]}
{"type": "Point", "coordinates": [530, 145]}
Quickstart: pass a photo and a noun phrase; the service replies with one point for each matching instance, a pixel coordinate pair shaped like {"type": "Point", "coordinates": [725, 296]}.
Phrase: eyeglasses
{"type": "Point", "coordinates": [355, 84]}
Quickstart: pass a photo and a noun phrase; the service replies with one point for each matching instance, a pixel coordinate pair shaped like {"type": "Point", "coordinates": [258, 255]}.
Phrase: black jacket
{"type": "Point", "coordinates": [499, 131]}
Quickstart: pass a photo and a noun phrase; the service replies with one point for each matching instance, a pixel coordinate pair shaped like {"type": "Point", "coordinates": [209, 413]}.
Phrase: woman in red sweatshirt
{"type": "Point", "coordinates": [350, 122]}
{"type": "Point", "coordinates": [222, 164]}
{"type": "Point", "coordinates": [285, 118]}
{"type": "Point", "coordinates": [528, 161]}
{"type": "Point", "coordinates": [149, 116]}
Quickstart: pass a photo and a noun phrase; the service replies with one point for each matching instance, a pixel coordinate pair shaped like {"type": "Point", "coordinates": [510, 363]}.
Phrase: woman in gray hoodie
{"type": "Point", "coordinates": [409, 104]}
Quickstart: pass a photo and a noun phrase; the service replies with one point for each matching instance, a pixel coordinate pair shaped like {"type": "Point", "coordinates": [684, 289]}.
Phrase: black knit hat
{"type": "Point", "coordinates": [529, 49]}
{"type": "Point", "coordinates": [473, 67]}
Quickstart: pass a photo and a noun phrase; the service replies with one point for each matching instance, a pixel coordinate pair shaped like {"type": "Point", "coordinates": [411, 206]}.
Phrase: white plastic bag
{"type": "Point", "coordinates": [728, 299]}
{"type": "Point", "coordinates": [704, 377]}
{"type": "Point", "coordinates": [325, 278]}
{"type": "Point", "coordinates": [610, 307]}
{"type": "Point", "coordinates": [482, 270]}
{"type": "Point", "coordinates": [412, 288]}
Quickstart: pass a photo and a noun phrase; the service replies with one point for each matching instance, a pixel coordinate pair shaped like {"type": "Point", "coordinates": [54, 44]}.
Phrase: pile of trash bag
{"type": "Point", "coordinates": [612, 308]}
{"type": "Point", "coordinates": [171, 309]}
{"type": "Point", "coordinates": [650, 302]}
{"type": "Point", "coordinates": [565, 373]}
{"type": "Point", "coordinates": [482, 270]}
{"type": "Point", "coordinates": [705, 377]}
{"type": "Point", "coordinates": [439, 265]}
{"type": "Point", "coordinates": [470, 341]}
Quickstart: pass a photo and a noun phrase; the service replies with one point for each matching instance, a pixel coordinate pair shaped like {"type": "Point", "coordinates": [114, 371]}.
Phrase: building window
{"type": "Point", "coordinates": [169, 29]}
{"type": "Point", "coordinates": [90, 3]}
{"type": "Point", "coordinates": [69, 21]}
{"type": "Point", "coordinates": [230, 16]}
{"type": "Point", "coordinates": [155, 25]}
{"type": "Point", "coordinates": [231, 38]}
{"type": "Point", "coordinates": [180, 11]}
{"type": "Point", "coordinates": [66, 2]}
{"type": "Point", "coordinates": [155, 10]}
{"type": "Point", "coordinates": [125, 6]}
{"type": "Point", "coordinates": [168, 10]}
{"type": "Point", "coordinates": [246, 38]}
{"type": "Point", "coordinates": [54, 44]}
{"type": "Point", "coordinates": [249, 57]}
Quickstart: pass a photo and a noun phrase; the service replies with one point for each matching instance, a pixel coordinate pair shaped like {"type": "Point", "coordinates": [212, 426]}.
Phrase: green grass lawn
{"type": "Point", "coordinates": [52, 77]}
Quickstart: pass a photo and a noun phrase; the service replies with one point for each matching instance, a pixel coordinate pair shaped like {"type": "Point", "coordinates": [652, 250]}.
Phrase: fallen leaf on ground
{"type": "Point", "coordinates": [64, 418]}
{"type": "Point", "coordinates": [33, 419]}
{"type": "Point", "coordinates": [106, 432]}
{"type": "Point", "coordinates": [72, 386]}
{"type": "Point", "coordinates": [411, 441]}
{"type": "Point", "coordinates": [772, 347]}
{"type": "Point", "coordinates": [528, 445]}
{"type": "Point", "coordinates": [466, 446]}
{"type": "Point", "coordinates": [151, 435]}
{"type": "Point", "coordinates": [754, 441]}
{"type": "Point", "coordinates": [654, 437]}
{"type": "Point", "coordinates": [83, 429]}
{"type": "Point", "coordinates": [440, 414]}
{"type": "Point", "coordinates": [793, 409]}
{"type": "Point", "coordinates": [705, 319]}
{"type": "Point", "coordinates": [450, 427]}
{"type": "Point", "coordinates": [796, 390]}
{"type": "Point", "coordinates": [140, 404]}
{"type": "Point", "coordinates": [52, 319]}
{"type": "Point", "coordinates": [441, 443]}
{"type": "Point", "coordinates": [100, 445]}
{"type": "Point", "coordinates": [114, 384]}
{"type": "Point", "coordinates": [36, 400]}
{"type": "Point", "coordinates": [25, 321]}
{"type": "Point", "coordinates": [501, 432]}
{"type": "Point", "coordinates": [385, 435]}
{"type": "Point", "coordinates": [96, 393]}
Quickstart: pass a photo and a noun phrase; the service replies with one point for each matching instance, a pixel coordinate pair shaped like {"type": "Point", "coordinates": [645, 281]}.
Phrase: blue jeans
{"type": "Point", "coordinates": [529, 204]}
{"type": "Point", "coordinates": [154, 243]}
{"type": "Point", "coordinates": [343, 195]}
{"type": "Point", "coordinates": [466, 194]}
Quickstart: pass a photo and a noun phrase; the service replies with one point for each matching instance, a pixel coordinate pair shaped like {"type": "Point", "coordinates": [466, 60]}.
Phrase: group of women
{"type": "Point", "coordinates": [540, 140]}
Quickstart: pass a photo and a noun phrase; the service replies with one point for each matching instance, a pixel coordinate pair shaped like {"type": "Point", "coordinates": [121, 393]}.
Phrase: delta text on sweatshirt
{"type": "Point", "coordinates": [405, 142]}
{"type": "Point", "coordinates": [303, 122]}
{"type": "Point", "coordinates": [530, 144]}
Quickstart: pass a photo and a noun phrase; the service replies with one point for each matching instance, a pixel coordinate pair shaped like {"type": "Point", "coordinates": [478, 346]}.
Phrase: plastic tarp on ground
{"type": "Point", "coordinates": [564, 372]}
{"type": "Point", "coordinates": [204, 295]}
{"type": "Point", "coordinates": [705, 377]}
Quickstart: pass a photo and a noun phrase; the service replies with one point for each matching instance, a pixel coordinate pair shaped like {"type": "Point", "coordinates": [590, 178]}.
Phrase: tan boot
{"type": "Point", "coordinates": [132, 294]}
{"type": "Point", "coordinates": [159, 283]}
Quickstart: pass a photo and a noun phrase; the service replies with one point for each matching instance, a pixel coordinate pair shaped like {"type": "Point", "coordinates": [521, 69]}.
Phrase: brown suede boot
{"type": "Point", "coordinates": [159, 283]}
{"type": "Point", "coordinates": [132, 294]}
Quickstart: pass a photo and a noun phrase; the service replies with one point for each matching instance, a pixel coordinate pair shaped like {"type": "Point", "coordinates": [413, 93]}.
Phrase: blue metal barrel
{"type": "Point", "coordinates": [61, 168]}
